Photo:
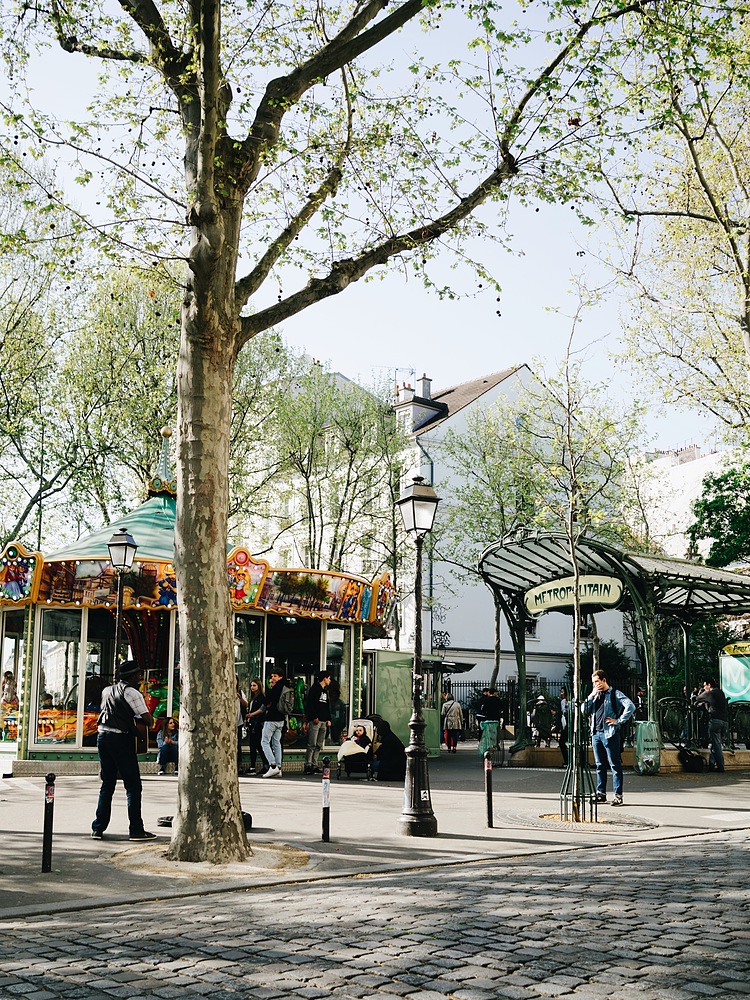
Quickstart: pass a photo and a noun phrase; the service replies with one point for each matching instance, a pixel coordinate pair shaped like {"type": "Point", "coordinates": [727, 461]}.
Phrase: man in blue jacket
{"type": "Point", "coordinates": [609, 711]}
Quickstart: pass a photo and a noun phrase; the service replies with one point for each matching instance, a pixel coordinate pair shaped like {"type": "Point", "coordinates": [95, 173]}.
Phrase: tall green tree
{"type": "Point", "coordinates": [684, 192]}
{"type": "Point", "coordinates": [339, 455]}
{"type": "Point", "coordinates": [42, 444]}
{"type": "Point", "coordinates": [556, 457]}
{"type": "Point", "coordinates": [295, 121]}
{"type": "Point", "coordinates": [489, 496]}
{"type": "Point", "coordinates": [722, 516]}
{"type": "Point", "coordinates": [579, 445]}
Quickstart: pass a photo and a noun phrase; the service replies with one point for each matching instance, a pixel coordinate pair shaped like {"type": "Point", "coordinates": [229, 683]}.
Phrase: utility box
{"type": "Point", "coordinates": [393, 698]}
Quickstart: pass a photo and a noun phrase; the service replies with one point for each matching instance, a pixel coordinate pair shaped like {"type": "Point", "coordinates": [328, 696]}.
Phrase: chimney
{"type": "Point", "coordinates": [405, 393]}
{"type": "Point", "coordinates": [424, 387]}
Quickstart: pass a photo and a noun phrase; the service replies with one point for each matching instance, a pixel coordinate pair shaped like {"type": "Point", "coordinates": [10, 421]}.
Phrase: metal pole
{"type": "Point", "coordinates": [326, 799]}
{"type": "Point", "coordinates": [49, 809]}
{"type": "Point", "coordinates": [417, 818]}
{"type": "Point", "coordinates": [118, 623]}
{"type": "Point", "coordinates": [488, 786]}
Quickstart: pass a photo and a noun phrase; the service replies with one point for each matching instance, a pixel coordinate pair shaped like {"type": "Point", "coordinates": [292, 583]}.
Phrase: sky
{"type": "Point", "coordinates": [396, 329]}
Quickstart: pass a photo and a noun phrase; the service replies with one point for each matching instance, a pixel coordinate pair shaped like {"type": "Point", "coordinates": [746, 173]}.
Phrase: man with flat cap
{"type": "Point", "coordinates": [122, 704]}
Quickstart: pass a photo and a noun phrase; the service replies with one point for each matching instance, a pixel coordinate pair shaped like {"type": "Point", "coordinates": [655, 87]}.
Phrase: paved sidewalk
{"type": "Point", "coordinates": [363, 822]}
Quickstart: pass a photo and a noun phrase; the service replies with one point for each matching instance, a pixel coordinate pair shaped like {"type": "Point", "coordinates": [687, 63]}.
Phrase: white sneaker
{"type": "Point", "coordinates": [272, 772]}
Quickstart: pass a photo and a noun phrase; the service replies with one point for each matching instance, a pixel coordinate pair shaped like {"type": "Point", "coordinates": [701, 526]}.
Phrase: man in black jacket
{"type": "Point", "coordinates": [718, 714]}
{"type": "Point", "coordinates": [122, 704]}
{"type": "Point", "coordinates": [318, 714]}
{"type": "Point", "coordinates": [278, 706]}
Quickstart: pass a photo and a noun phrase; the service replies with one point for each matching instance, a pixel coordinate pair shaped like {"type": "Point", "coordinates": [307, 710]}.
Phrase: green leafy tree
{"type": "Point", "coordinates": [43, 432]}
{"type": "Point", "coordinates": [294, 121]}
{"type": "Point", "coordinates": [490, 492]}
{"type": "Point", "coordinates": [337, 454]}
{"type": "Point", "coordinates": [558, 457]}
{"type": "Point", "coordinates": [708, 636]}
{"type": "Point", "coordinates": [683, 190]}
{"type": "Point", "coordinates": [722, 515]}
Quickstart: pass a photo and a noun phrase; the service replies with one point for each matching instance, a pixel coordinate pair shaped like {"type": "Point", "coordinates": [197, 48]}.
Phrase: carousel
{"type": "Point", "coordinates": [60, 615]}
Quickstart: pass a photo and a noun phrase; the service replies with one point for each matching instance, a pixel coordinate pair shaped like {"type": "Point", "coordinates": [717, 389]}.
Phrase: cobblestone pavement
{"type": "Point", "coordinates": [663, 921]}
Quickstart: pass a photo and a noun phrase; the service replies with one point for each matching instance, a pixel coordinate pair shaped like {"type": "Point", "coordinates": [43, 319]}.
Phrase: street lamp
{"type": "Point", "coordinates": [122, 550]}
{"type": "Point", "coordinates": [418, 505]}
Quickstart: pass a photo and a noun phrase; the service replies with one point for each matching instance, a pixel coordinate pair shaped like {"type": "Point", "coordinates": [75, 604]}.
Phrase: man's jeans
{"type": "Point", "coordinates": [316, 737]}
{"type": "Point", "coordinates": [270, 742]}
{"type": "Point", "coordinates": [715, 733]}
{"type": "Point", "coordinates": [607, 756]}
{"type": "Point", "coordinates": [117, 754]}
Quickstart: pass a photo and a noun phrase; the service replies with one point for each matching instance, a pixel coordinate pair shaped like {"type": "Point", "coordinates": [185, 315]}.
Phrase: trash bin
{"type": "Point", "coordinates": [488, 740]}
{"type": "Point", "coordinates": [647, 748]}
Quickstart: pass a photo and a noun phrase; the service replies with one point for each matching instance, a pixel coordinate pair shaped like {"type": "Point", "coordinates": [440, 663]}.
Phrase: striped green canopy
{"type": "Point", "coordinates": [152, 528]}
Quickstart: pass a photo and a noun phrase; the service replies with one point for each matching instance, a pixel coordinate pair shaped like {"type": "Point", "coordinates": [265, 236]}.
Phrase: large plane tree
{"type": "Point", "coordinates": [284, 151]}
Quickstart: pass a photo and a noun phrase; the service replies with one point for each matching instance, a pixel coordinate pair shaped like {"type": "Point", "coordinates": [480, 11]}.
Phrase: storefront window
{"type": "Point", "coordinates": [338, 663]}
{"type": "Point", "coordinates": [57, 716]}
{"type": "Point", "coordinates": [248, 648]}
{"type": "Point", "coordinates": [12, 673]}
{"type": "Point", "coordinates": [152, 639]}
{"type": "Point", "coordinates": [293, 646]}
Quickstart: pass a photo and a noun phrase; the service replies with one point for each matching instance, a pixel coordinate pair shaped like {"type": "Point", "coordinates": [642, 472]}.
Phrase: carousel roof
{"type": "Point", "coordinates": [152, 528]}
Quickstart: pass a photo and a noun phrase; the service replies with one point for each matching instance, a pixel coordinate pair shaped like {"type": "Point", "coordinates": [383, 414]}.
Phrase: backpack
{"type": "Point", "coordinates": [691, 761]}
{"type": "Point", "coordinates": [286, 701]}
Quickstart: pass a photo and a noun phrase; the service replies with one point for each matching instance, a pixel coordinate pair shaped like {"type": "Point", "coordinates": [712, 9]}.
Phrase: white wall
{"type": "Point", "coordinates": [465, 610]}
{"type": "Point", "coordinates": [675, 481]}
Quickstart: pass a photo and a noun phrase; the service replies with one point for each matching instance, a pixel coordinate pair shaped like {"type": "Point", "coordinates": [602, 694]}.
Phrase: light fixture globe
{"type": "Point", "coordinates": [418, 506]}
{"type": "Point", "coordinates": [122, 549]}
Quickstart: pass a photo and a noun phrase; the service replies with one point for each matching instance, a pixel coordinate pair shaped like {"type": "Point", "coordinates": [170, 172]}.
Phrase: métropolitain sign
{"type": "Point", "coordinates": [558, 595]}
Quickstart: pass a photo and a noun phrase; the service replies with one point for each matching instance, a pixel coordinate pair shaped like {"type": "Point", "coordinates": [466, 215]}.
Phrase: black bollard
{"type": "Point", "coordinates": [49, 809]}
{"type": "Point", "coordinates": [488, 786]}
{"type": "Point", "coordinates": [326, 799]}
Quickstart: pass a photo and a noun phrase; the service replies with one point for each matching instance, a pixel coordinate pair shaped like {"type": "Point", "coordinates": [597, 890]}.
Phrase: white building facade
{"type": "Point", "coordinates": [459, 616]}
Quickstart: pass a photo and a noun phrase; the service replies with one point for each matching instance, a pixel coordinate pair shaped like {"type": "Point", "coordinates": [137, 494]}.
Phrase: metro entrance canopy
{"type": "Point", "coordinates": [651, 585]}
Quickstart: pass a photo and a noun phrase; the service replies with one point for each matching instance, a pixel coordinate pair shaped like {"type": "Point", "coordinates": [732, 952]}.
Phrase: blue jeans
{"type": "Point", "coordinates": [715, 733]}
{"type": "Point", "coordinates": [270, 742]}
{"type": "Point", "coordinates": [607, 757]}
{"type": "Point", "coordinates": [168, 754]}
{"type": "Point", "coordinates": [117, 757]}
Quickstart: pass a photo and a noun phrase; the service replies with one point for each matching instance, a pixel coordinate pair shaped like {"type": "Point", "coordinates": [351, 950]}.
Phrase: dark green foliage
{"type": "Point", "coordinates": [707, 639]}
{"type": "Point", "coordinates": [612, 660]}
{"type": "Point", "coordinates": [722, 514]}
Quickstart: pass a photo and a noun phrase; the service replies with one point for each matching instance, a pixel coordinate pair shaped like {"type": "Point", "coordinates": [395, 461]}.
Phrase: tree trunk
{"type": "Point", "coordinates": [208, 824]}
{"type": "Point", "coordinates": [596, 645]}
{"type": "Point", "coordinates": [498, 641]}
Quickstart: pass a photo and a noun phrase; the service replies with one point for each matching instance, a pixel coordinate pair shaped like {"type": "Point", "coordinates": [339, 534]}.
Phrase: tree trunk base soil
{"type": "Point", "coordinates": [267, 862]}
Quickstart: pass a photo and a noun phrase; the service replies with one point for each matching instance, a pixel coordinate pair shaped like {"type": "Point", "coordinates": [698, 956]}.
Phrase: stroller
{"type": "Point", "coordinates": [357, 761]}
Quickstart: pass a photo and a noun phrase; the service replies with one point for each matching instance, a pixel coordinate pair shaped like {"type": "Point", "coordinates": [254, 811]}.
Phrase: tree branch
{"type": "Point", "coordinates": [345, 272]}
{"type": "Point", "coordinates": [248, 285]}
{"type": "Point", "coordinates": [283, 92]}
{"type": "Point", "coordinates": [171, 61]}
{"type": "Point", "coordinates": [70, 43]}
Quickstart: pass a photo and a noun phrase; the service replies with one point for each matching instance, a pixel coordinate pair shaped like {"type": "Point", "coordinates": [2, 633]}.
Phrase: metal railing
{"type": "Point", "coordinates": [688, 723]}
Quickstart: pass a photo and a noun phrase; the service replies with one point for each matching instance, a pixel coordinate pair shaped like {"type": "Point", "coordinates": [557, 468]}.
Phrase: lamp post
{"type": "Point", "coordinates": [122, 550]}
{"type": "Point", "coordinates": [418, 505]}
